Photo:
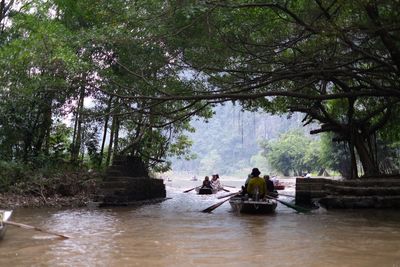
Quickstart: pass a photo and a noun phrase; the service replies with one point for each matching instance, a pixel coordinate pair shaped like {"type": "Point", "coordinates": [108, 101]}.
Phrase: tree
{"type": "Point", "coordinates": [308, 56]}
{"type": "Point", "coordinates": [337, 62]}
{"type": "Point", "coordinates": [287, 156]}
{"type": "Point", "coordinates": [36, 61]}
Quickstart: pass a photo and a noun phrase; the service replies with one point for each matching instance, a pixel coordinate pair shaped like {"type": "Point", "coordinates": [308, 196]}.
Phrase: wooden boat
{"type": "Point", "coordinates": [279, 186]}
{"type": "Point", "coordinates": [206, 191]}
{"type": "Point", "coordinates": [4, 216]}
{"type": "Point", "coordinates": [244, 205]}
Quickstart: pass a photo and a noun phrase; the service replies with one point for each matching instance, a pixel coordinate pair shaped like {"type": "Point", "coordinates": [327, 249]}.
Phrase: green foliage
{"type": "Point", "coordinates": [260, 161]}
{"type": "Point", "coordinates": [293, 152]}
{"type": "Point", "coordinates": [210, 162]}
{"type": "Point", "coordinates": [10, 173]}
{"type": "Point", "coordinates": [59, 141]}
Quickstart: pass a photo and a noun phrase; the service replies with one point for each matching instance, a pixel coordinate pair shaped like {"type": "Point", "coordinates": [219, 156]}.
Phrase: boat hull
{"type": "Point", "coordinates": [4, 216]}
{"type": "Point", "coordinates": [206, 191]}
{"type": "Point", "coordinates": [253, 207]}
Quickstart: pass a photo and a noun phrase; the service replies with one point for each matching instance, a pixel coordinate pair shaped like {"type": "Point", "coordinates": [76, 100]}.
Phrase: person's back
{"type": "Point", "coordinates": [206, 183]}
{"type": "Point", "coordinates": [269, 183]}
{"type": "Point", "coordinates": [256, 185]}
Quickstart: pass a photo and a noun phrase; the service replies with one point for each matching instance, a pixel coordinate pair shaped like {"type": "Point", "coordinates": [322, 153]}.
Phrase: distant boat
{"type": "Point", "coordinates": [4, 216]}
{"type": "Point", "coordinates": [206, 191]}
{"type": "Point", "coordinates": [279, 186]}
{"type": "Point", "coordinates": [194, 178]}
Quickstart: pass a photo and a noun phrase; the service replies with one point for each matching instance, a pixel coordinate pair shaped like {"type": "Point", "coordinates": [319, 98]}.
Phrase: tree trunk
{"type": "Point", "coordinates": [116, 135]}
{"type": "Point", "coordinates": [76, 144]}
{"type": "Point", "coordinates": [44, 128]}
{"type": "Point", "coordinates": [366, 157]}
{"type": "Point", "coordinates": [106, 119]}
{"type": "Point", "coordinates": [110, 146]}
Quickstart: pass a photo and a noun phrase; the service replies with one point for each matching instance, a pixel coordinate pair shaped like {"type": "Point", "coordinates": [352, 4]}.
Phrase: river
{"type": "Point", "coordinates": [176, 233]}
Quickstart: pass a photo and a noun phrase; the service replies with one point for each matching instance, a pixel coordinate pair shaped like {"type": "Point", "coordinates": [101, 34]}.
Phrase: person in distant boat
{"type": "Point", "coordinates": [206, 183]}
{"type": "Point", "coordinates": [270, 184]}
{"type": "Point", "coordinates": [257, 187]}
{"type": "Point", "coordinates": [215, 182]}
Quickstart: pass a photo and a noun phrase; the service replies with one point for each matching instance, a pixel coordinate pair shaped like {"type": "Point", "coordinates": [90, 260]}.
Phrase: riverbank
{"type": "Point", "coordinates": [12, 201]}
{"type": "Point", "coordinates": [56, 189]}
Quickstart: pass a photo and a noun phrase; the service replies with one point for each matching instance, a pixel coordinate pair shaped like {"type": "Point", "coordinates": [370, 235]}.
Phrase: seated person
{"type": "Point", "coordinates": [206, 183]}
{"type": "Point", "coordinates": [270, 184]}
{"type": "Point", "coordinates": [257, 187]}
{"type": "Point", "coordinates": [244, 188]}
{"type": "Point", "coordinates": [215, 183]}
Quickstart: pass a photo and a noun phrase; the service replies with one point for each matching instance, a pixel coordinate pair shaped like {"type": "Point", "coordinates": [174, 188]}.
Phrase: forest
{"type": "Point", "coordinates": [82, 82]}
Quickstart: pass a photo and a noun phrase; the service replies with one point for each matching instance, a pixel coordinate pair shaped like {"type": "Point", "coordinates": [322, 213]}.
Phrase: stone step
{"type": "Point", "coordinates": [114, 168]}
{"type": "Point", "coordinates": [122, 178]}
{"type": "Point", "coordinates": [118, 162]}
{"type": "Point", "coordinates": [114, 184]}
{"type": "Point", "coordinates": [363, 191]}
{"type": "Point", "coordinates": [369, 182]}
{"type": "Point", "coordinates": [111, 172]}
{"type": "Point", "coordinates": [114, 191]}
{"type": "Point", "coordinates": [356, 202]}
{"type": "Point", "coordinates": [115, 200]}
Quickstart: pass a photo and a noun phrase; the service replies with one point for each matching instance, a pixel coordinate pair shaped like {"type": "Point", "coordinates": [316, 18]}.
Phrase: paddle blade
{"type": "Point", "coordinates": [216, 205]}
{"type": "Point", "coordinates": [186, 191]}
{"type": "Point", "coordinates": [295, 207]}
{"type": "Point", "coordinates": [213, 207]}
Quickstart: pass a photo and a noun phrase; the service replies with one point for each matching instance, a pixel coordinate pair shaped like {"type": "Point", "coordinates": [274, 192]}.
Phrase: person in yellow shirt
{"type": "Point", "coordinates": [257, 186]}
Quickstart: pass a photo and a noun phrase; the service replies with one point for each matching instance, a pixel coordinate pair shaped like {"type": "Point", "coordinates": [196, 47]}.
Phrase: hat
{"type": "Point", "coordinates": [255, 172]}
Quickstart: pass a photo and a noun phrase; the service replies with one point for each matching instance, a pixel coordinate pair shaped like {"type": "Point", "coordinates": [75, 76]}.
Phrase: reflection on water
{"type": "Point", "coordinates": [175, 233]}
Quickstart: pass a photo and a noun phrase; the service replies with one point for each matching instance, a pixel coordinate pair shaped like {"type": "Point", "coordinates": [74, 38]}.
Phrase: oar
{"type": "Point", "coordinates": [279, 194]}
{"type": "Point", "coordinates": [228, 195]}
{"type": "Point", "coordinates": [34, 228]}
{"type": "Point", "coordinates": [190, 189]}
{"type": "Point", "coordinates": [290, 205]}
{"type": "Point", "coordinates": [229, 186]}
{"type": "Point", "coordinates": [213, 207]}
{"type": "Point", "coordinates": [225, 189]}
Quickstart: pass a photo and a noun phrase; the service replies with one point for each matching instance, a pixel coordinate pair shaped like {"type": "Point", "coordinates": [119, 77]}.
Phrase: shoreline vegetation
{"type": "Point", "coordinates": [37, 188]}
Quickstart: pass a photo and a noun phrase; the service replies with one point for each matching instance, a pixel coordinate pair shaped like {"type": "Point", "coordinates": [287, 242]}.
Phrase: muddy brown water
{"type": "Point", "coordinates": [176, 233]}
